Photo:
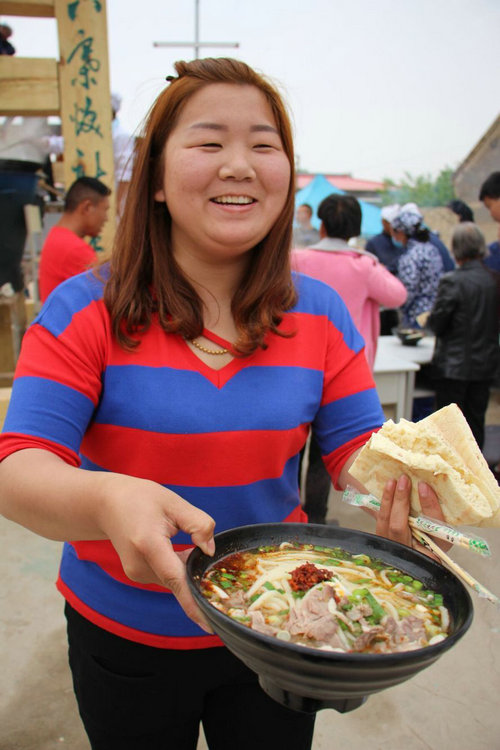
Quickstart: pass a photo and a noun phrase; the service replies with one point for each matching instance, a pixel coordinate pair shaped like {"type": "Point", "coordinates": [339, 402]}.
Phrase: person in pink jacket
{"type": "Point", "coordinates": [362, 281]}
{"type": "Point", "coordinates": [365, 285]}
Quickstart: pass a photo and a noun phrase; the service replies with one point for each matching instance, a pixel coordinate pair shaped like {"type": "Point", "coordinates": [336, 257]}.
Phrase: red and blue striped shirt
{"type": "Point", "coordinates": [227, 441]}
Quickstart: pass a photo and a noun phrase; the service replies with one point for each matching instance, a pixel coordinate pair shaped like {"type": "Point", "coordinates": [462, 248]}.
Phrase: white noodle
{"type": "Point", "coordinates": [220, 592]}
{"type": "Point", "coordinates": [359, 569]}
{"type": "Point", "coordinates": [268, 576]}
{"type": "Point", "coordinates": [257, 604]}
{"type": "Point", "coordinates": [383, 575]}
{"type": "Point", "coordinates": [391, 609]}
{"type": "Point", "coordinates": [445, 619]}
{"type": "Point", "coordinates": [436, 639]}
{"type": "Point", "coordinates": [342, 636]}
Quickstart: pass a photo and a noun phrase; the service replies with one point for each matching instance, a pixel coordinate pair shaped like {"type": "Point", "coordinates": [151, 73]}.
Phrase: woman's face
{"type": "Point", "coordinates": [400, 236]}
{"type": "Point", "coordinates": [226, 175]}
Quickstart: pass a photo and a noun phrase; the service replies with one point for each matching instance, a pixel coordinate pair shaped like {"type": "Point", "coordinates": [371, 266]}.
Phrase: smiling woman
{"type": "Point", "coordinates": [225, 164]}
{"type": "Point", "coordinates": [217, 149]}
{"type": "Point", "coordinates": [181, 379]}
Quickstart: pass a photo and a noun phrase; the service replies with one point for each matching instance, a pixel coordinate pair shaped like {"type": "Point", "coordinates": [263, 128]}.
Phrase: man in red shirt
{"type": "Point", "coordinates": [65, 253]}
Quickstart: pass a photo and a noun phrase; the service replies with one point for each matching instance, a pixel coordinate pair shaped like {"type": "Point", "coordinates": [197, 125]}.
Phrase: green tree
{"type": "Point", "coordinates": [422, 190]}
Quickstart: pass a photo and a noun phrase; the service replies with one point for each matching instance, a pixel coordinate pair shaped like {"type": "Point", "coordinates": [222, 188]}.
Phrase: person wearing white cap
{"type": "Point", "coordinates": [420, 267]}
{"type": "Point", "coordinates": [382, 244]}
{"type": "Point", "coordinates": [389, 212]}
{"type": "Point", "coordinates": [434, 239]}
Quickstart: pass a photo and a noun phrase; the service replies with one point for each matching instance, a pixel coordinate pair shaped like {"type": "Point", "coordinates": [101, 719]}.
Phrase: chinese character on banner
{"type": "Point", "coordinates": [85, 93]}
{"type": "Point", "coordinates": [85, 118]}
{"type": "Point", "coordinates": [89, 64]}
{"type": "Point", "coordinates": [73, 8]}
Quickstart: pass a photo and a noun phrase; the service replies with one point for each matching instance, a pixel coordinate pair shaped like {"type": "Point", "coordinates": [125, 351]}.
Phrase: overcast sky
{"type": "Point", "coordinates": [375, 87]}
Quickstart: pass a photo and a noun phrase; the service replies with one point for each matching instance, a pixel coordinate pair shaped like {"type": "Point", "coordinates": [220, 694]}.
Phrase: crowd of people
{"type": "Point", "coordinates": [180, 379]}
{"type": "Point", "coordinates": [451, 295]}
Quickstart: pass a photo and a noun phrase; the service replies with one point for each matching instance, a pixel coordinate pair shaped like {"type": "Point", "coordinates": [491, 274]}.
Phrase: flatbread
{"type": "Point", "coordinates": [441, 451]}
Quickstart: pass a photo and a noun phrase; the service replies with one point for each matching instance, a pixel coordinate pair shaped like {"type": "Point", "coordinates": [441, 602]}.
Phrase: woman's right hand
{"type": "Point", "coordinates": [139, 517]}
{"type": "Point", "coordinates": [59, 501]}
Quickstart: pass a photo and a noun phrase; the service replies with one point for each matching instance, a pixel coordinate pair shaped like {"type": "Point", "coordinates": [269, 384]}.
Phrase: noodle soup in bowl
{"type": "Point", "coordinates": [371, 641]}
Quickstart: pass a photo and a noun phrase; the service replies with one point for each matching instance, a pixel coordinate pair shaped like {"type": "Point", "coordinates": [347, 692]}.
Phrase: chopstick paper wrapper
{"type": "Point", "coordinates": [423, 523]}
{"type": "Point", "coordinates": [353, 497]}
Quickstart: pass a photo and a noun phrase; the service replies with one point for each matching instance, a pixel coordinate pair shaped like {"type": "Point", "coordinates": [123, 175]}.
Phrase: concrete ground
{"type": "Point", "coordinates": [451, 705]}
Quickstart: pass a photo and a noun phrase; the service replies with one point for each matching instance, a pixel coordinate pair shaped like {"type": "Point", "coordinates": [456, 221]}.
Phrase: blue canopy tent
{"type": "Point", "coordinates": [320, 188]}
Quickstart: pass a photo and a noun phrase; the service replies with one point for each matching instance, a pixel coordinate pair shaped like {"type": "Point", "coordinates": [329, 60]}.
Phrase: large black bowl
{"type": "Point", "coordinates": [306, 679]}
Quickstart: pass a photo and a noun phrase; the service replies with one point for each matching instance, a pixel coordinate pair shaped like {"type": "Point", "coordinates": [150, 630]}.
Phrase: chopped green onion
{"type": "Point", "coordinates": [377, 609]}
{"type": "Point", "coordinates": [361, 559]}
{"type": "Point", "coordinates": [359, 593]}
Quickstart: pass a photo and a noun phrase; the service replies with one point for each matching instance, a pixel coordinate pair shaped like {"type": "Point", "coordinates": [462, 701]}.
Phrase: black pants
{"type": "Point", "coordinates": [136, 697]}
{"type": "Point", "coordinates": [389, 319]}
{"type": "Point", "coordinates": [17, 189]}
{"type": "Point", "coordinates": [317, 485]}
{"type": "Point", "coordinates": [471, 396]}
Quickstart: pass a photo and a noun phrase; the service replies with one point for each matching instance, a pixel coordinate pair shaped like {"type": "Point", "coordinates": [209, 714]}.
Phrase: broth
{"type": "Point", "coordinates": [326, 598]}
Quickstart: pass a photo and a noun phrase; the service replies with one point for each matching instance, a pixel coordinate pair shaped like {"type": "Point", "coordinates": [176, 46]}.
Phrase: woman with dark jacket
{"type": "Point", "coordinates": [464, 319]}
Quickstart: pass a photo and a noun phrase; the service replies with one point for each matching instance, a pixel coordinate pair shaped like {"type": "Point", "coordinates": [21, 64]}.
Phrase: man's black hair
{"type": "Point", "coordinates": [462, 210]}
{"type": "Point", "coordinates": [83, 189]}
{"type": "Point", "coordinates": [341, 216]}
{"type": "Point", "coordinates": [490, 187]}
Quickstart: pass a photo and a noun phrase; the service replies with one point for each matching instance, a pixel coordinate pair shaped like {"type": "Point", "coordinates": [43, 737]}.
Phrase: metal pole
{"type": "Point", "coordinates": [196, 45]}
{"type": "Point", "coordinates": [196, 29]}
{"type": "Point", "coordinates": [212, 45]}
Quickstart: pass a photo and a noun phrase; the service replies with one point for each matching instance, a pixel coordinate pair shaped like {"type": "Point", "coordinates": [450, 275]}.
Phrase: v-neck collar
{"type": "Point", "coordinates": [219, 377]}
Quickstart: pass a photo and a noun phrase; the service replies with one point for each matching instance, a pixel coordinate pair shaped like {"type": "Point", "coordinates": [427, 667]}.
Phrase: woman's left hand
{"type": "Point", "coordinates": [392, 518]}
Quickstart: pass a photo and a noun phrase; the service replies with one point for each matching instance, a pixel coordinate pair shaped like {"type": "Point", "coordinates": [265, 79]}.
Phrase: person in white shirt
{"type": "Point", "coordinates": [123, 152]}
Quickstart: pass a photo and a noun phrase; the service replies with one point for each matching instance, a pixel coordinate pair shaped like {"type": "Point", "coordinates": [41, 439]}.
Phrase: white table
{"type": "Point", "coordinates": [394, 371]}
{"type": "Point", "coordinates": [392, 346]}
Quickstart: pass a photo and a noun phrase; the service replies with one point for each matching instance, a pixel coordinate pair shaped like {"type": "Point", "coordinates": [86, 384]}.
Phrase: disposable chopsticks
{"type": "Point", "coordinates": [425, 539]}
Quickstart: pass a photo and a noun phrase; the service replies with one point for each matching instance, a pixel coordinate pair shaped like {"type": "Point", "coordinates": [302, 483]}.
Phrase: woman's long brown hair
{"type": "Point", "coordinates": [145, 279]}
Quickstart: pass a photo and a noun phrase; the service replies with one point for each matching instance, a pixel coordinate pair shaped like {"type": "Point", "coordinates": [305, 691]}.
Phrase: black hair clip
{"type": "Point", "coordinates": [171, 78]}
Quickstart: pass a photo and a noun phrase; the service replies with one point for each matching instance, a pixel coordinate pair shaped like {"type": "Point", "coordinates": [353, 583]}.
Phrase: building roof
{"type": "Point", "coordinates": [490, 133]}
{"type": "Point", "coordinates": [343, 182]}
